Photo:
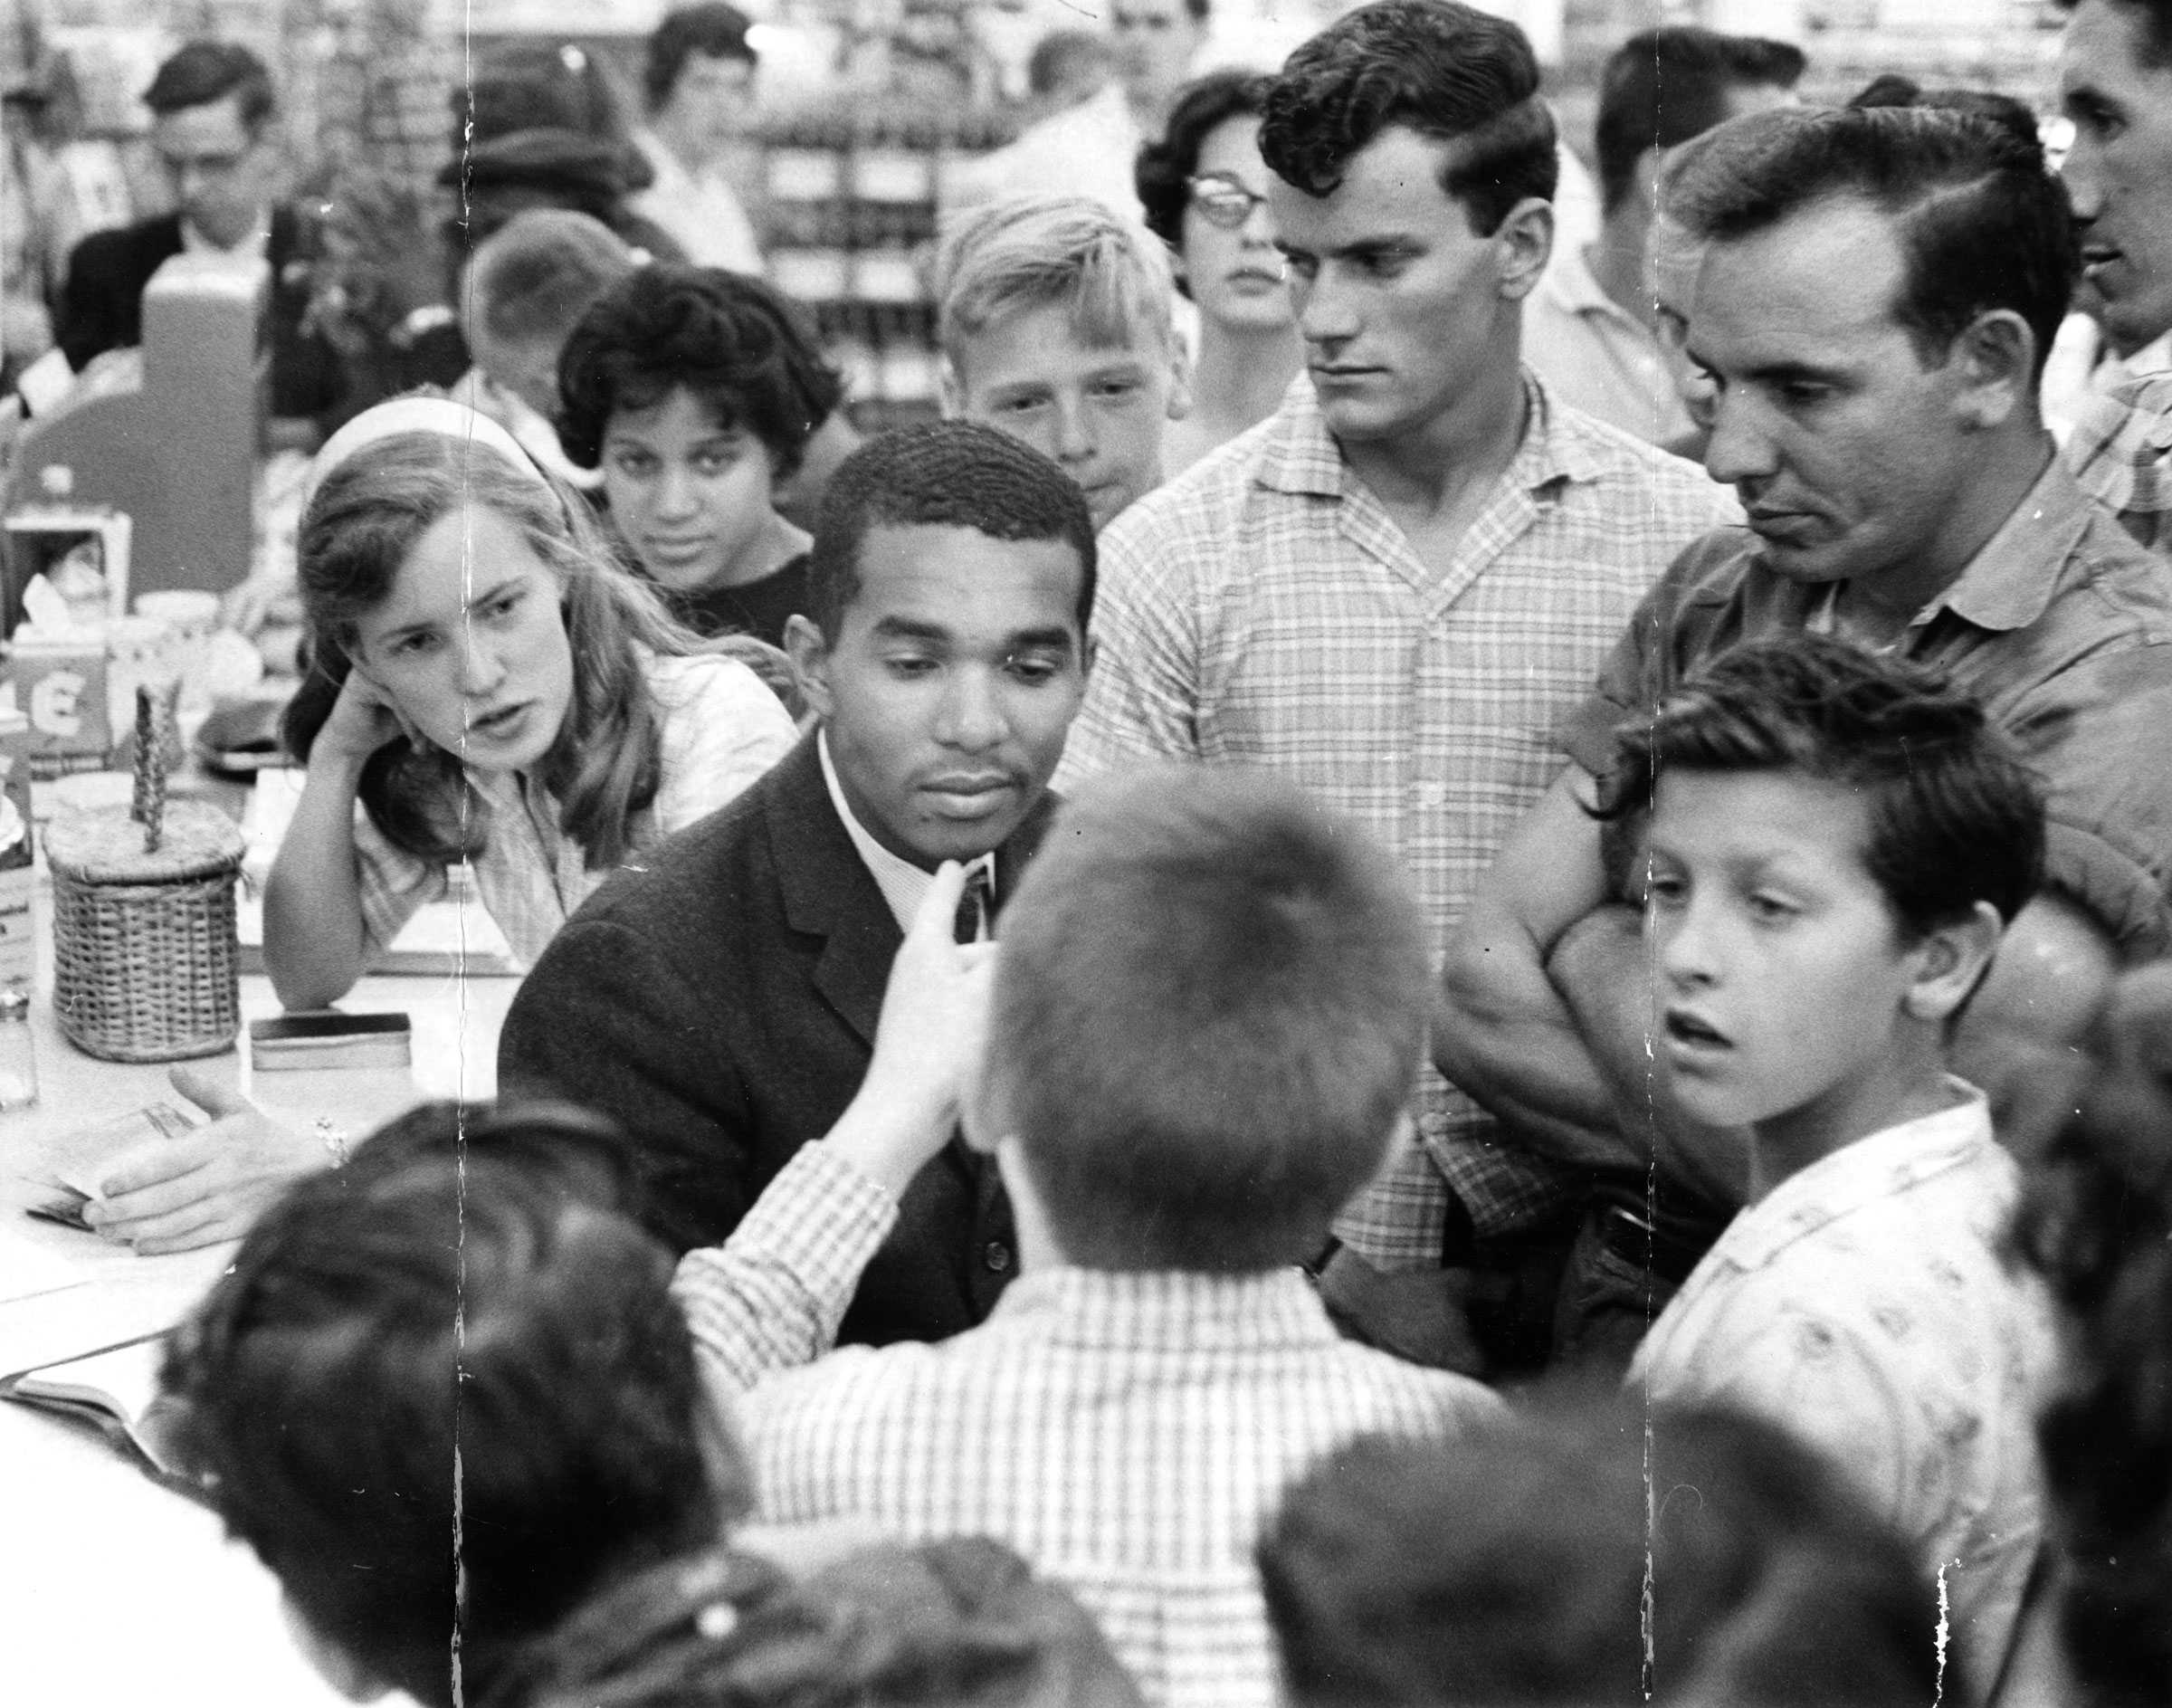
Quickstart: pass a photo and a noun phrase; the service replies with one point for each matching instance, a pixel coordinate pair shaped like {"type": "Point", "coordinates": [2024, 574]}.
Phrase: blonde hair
{"type": "Point", "coordinates": [1036, 252]}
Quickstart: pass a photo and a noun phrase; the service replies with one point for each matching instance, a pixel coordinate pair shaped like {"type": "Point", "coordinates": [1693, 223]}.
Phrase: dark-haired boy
{"type": "Point", "coordinates": [1208, 1007]}
{"type": "Point", "coordinates": [721, 1004]}
{"type": "Point", "coordinates": [1830, 845]}
{"type": "Point", "coordinates": [359, 1393]}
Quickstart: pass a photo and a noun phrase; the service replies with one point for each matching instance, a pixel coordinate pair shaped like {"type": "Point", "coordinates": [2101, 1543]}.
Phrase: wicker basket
{"type": "Point", "coordinates": [146, 963]}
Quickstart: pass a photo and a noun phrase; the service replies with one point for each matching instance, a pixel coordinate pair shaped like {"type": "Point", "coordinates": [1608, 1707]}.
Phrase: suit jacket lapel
{"type": "Point", "coordinates": [829, 892]}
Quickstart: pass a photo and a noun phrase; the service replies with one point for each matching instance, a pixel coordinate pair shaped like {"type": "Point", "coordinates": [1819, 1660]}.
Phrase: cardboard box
{"type": "Point", "coordinates": [61, 689]}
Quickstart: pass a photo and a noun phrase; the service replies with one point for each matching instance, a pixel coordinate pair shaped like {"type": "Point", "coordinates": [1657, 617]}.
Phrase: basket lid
{"type": "Point", "coordinates": [105, 846]}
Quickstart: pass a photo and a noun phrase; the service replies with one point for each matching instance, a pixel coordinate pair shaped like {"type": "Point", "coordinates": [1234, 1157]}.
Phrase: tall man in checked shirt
{"type": "Point", "coordinates": [1870, 311]}
{"type": "Point", "coordinates": [1394, 590]}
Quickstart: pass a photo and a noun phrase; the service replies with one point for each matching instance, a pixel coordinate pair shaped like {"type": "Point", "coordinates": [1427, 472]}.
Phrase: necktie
{"type": "Point", "coordinates": [974, 906]}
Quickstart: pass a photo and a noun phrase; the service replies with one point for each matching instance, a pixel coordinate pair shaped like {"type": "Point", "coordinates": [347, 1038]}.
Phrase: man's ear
{"type": "Point", "coordinates": [950, 388]}
{"type": "Point", "coordinates": [1996, 358]}
{"type": "Point", "coordinates": [1180, 378]}
{"type": "Point", "coordinates": [1521, 245]}
{"type": "Point", "coordinates": [810, 654]}
{"type": "Point", "coordinates": [1951, 961]}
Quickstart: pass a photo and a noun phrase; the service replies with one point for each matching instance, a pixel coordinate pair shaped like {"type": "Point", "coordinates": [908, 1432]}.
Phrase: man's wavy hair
{"type": "Point", "coordinates": [1955, 817]}
{"type": "Point", "coordinates": [1442, 70]}
{"type": "Point", "coordinates": [1981, 222]}
{"type": "Point", "coordinates": [607, 765]}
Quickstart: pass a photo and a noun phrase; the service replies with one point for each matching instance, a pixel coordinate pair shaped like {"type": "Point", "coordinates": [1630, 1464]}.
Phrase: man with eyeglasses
{"type": "Point", "coordinates": [213, 130]}
{"type": "Point", "coordinates": [1394, 590]}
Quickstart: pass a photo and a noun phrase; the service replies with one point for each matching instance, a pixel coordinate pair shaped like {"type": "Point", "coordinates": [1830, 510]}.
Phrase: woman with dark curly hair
{"type": "Point", "coordinates": [696, 392]}
{"type": "Point", "coordinates": [1203, 186]}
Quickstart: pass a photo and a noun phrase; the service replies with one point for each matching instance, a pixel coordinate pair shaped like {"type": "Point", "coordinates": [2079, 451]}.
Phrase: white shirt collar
{"type": "Point", "coordinates": [903, 884]}
{"type": "Point", "coordinates": [257, 242]}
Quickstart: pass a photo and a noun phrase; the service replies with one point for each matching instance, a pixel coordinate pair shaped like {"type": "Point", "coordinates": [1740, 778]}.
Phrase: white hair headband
{"type": "Point", "coordinates": [439, 415]}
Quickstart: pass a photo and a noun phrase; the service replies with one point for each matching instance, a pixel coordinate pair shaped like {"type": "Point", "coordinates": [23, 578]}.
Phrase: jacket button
{"type": "Point", "coordinates": [996, 1255]}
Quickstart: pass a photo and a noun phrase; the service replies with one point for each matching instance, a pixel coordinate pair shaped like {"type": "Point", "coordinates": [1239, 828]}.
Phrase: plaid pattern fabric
{"type": "Point", "coordinates": [2120, 452]}
{"type": "Point", "coordinates": [1265, 608]}
{"type": "Point", "coordinates": [722, 729]}
{"type": "Point", "coordinates": [1128, 1433]}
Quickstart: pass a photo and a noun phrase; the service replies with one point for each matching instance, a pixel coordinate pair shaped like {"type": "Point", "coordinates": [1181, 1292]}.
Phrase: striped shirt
{"type": "Point", "coordinates": [722, 729]}
{"type": "Point", "coordinates": [1130, 1434]}
{"type": "Point", "coordinates": [1265, 608]}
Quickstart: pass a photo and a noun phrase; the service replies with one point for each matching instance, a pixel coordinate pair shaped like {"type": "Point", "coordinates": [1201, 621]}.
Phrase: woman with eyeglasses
{"type": "Point", "coordinates": [1203, 187]}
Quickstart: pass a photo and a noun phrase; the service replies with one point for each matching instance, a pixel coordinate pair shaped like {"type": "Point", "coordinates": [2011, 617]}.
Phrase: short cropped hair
{"type": "Point", "coordinates": [743, 350]}
{"type": "Point", "coordinates": [1445, 70]}
{"type": "Point", "coordinates": [1528, 1561]}
{"type": "Point", "coordinates": [445, 1390]}
{"type": "Point", "coordinates": [1981, 223]}
{"type": "Point", "coordinates": [1208, 1015]}
{"type": "Point", "coordinates": [2156, 17]}
{"type": "Point", "coordinates": [1891, 89]}
{"type": "Point", "coordinates": [537, 275]}
{"type": "Point", "coordinates": [1066, 251]}
{"type": "Point", "coordinates": [956, 1623]}
{"type": "Point", "coordinates": [712, 28]}
{"type": "Point", "coordinates": [1661, 87]}
{"type": "Point", "coordinates": [1162, 174]}
{"type": "Point", "coordinates": [204, 71]}
{"type": "Point", "coordinates": [941, 474]}
{"type": "Point", "coordinates": [1955, 817]}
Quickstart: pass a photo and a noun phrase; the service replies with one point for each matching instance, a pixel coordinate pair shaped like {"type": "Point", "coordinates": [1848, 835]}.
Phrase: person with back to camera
{"type": "Point", "coordinates": [696, 393]}
{"type": "Point", "coordinates": [1830, 845]}
{"type": "Point", "coordinates": [1202, 184]}
{"type": "Point", "coordinates": [1206, 1009]}
{"type": "Point", "coordinates": [456, 1339]}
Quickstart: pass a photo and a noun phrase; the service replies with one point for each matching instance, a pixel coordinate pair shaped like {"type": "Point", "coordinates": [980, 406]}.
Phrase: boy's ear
{"type": "Point", "coordinates": [810, 654]}
{"type": "Point", "coordinates": [1180, 378]}
{"type": "Point", "coordinates": [1951, 962]}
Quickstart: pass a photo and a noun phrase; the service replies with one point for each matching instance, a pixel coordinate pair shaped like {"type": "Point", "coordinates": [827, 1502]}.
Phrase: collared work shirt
{"type": "Point", "coordinates": [1130, 1434]}
{"type": "Point", "coordinates": [1265, 608]}
{"type": "Point", "coordinates": [1597, 356]}
{"type": "Point", "coordinates": [722, 729]}
{"type": "Point", "coordinates": [2120, 452]}
{"type": "Point", "coordinates": [1865, 1305]}
{"type": "Point", "coordinates": [2061, 625]}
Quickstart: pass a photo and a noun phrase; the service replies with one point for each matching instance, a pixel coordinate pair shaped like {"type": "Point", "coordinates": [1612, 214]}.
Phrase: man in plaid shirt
{"type": "Point", "coordinates": [1396, 588]}
{"type": "Point", "coordinates": [1208, 1002]}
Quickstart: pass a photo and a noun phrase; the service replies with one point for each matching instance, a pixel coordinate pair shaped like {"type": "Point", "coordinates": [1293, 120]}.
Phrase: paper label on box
{"type": "Point", "coordinates": [63, 691]}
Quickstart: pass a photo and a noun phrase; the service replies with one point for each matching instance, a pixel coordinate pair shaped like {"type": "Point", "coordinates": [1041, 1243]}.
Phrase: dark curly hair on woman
{"type": "Point", "coordinates": [1165, 168]}
{"type": "Point", "coordinates": [744, 350]}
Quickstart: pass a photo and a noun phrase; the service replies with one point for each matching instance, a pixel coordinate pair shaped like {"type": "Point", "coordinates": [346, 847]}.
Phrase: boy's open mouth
{"type": "Point", "coordinates": [1692, 1032]}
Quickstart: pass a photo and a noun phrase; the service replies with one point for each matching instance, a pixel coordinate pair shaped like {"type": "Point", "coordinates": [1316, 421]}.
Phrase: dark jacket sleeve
{"type": "Point", "coordinates": [608, 1020]}
{"type": "Point", "coordinates": [101, 301]}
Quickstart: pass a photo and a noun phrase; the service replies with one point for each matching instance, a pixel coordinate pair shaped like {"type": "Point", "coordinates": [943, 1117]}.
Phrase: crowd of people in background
{"type": "Point", "coordinates": [1430, 969]}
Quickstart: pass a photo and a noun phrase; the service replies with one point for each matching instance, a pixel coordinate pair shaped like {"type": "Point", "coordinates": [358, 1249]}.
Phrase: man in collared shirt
{"type": "Point", "coordinates": [1392, 589]}
{"type": "Point", "coordinates": [214, 130]}
{"type": "Point", "coordinates": [721, 1004]}
{"type": "Point", "coordinates": [2115, 84]}
{"type": "Point", "coordinates": [1204, 986]}
{"type": "Point", "coordinates": [1875, 293]}
{"type": "Point", "coordinates": [1591, 329]}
